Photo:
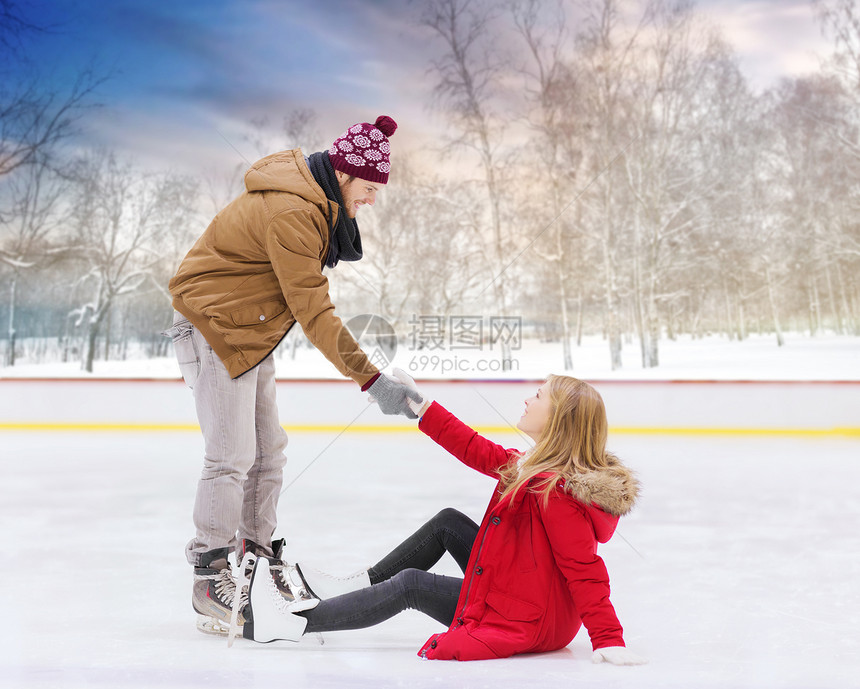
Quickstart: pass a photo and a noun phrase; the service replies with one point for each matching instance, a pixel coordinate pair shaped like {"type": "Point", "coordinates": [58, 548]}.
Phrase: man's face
{"type": "Point", "coordinates": [356, 192]}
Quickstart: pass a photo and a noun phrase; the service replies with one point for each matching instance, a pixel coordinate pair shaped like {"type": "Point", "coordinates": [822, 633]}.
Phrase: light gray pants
{"type": "Point", "coordinates": [243, 462]}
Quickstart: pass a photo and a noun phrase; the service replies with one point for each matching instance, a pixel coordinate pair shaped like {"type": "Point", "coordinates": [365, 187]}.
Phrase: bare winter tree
{"type": "Point", "coordinates": [384, 276]}
{"type": "Point", "coordinates": [676, 84]}
{"type": "Point", "coordinates": [468, 73]}
{"type": "Point", "coordinates": [737, 243]}
{"type": "Point", "coordinates": [556, 121]}
{"type": "Point", "coordinates": [29, 231]}
{"type": "Point", "coordinates": [841, 20]}
{"type": "Point", "coordinates": [121, 217]}
{"type": "Point", "coordinates": [35, 119]}
{"type": "Point", "coordinates": [14, 28]}
{"type": "Point", "coordinates": [821, 184]}
{"type": "Point", "coordinates": [607, 51]}
{"type": "Point", "coordinates": [36, 122]}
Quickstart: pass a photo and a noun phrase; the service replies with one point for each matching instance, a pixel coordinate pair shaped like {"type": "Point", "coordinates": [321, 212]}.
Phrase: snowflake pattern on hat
{"type": "Point", "coordinates": [363, 150]}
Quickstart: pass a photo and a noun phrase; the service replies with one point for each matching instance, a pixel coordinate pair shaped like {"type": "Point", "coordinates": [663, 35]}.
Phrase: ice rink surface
{"type": "Point", "coordinates": [738, 568]}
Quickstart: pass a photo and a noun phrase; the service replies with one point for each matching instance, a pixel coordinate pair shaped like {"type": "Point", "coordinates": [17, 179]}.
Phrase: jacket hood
{"type": "Point", "coordinates": [286, 171]}
{"type": "Point", "coordinates": [607, 493]}
{"type": "Point", "coordinates": [613, 489]}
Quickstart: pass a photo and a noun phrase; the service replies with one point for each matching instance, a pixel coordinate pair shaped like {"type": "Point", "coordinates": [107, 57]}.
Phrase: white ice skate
{"type": "Point", "coordinates": [271, 617]}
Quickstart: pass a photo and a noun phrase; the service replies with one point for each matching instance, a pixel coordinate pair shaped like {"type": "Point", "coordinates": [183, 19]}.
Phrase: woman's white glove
{"type": "Point", "coordinates": [617, 655]}
{"type": "Point", "coordinates": [409, 382]}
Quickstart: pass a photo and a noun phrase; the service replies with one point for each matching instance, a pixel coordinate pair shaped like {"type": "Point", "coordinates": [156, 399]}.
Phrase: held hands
{"type": "Point", "coordinates": [617, 655]}
{"type": "Point", "coordinates": [394, 397]}
{"type": "Point", "coordinates": [418, 407]}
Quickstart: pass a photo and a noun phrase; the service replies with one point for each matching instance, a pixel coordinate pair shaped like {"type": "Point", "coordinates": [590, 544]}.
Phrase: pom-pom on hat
{"type": "Point", "coordinates": [363, 150]}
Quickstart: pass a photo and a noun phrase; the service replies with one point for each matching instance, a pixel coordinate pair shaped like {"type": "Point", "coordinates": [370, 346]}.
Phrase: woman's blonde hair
{"type": "Point", "coordinates": [573, 441]}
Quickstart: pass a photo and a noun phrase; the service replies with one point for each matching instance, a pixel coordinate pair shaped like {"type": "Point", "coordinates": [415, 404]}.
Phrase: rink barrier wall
{"type": "Point", "coordinates": [683, 407]}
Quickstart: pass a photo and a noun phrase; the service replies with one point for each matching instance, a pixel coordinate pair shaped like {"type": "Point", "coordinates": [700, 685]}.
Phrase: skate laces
{"type": "Point", "coordinates": [281, 604]}
{"type": "Point", "coordinates": [225, 589]}
{"type": "Point", "coordinates": [348, 578]}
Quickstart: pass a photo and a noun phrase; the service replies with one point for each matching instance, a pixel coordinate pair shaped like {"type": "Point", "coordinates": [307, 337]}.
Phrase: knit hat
{"type": "Point", "coordinates": [363, 150]}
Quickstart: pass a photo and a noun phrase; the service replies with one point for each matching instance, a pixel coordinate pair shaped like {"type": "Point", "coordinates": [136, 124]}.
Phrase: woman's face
{"type": "Point", "coordinates": [537, 413]}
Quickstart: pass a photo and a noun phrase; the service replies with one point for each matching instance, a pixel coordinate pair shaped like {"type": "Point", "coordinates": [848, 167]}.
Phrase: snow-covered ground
{"type": "Point", "coordinates": [826, 357]}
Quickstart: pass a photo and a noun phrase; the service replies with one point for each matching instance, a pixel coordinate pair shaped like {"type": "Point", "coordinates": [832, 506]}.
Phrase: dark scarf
{"type": "Point", "coordinates": [344, 239]}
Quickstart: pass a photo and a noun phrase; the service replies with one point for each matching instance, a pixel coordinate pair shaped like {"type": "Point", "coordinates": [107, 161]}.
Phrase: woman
{"type": "Point", "coordinates": [532, 576]}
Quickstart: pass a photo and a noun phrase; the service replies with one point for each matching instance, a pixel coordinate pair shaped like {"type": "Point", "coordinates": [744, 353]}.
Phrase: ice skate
{"type": "Point", "coordinates": [214, 593]}
{"type": "Point", "coordinates": [324, 586]}
{"type": "Point", "coordinates": [270, 617]}
{"type": "Point", "coordinates": [287, 579]}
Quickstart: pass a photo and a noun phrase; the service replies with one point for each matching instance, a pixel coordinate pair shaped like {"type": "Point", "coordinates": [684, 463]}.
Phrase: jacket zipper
{"type": "Point", "coordinates": [472, 578]}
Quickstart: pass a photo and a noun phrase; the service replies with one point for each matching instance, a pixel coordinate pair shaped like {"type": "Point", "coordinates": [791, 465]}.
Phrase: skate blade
{"type": "Point", "coordinates": [211, 625]}
{"type": "Point", "coordinates": [242, 586]}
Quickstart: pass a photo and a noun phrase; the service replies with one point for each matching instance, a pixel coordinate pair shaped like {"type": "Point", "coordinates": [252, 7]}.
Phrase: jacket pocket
{"type": "Point", "coordinates": [514, 609]}
{"type": "Point", "coordinates": [509, 625]}
{"type": "Point", "coordinates": [257, 314]}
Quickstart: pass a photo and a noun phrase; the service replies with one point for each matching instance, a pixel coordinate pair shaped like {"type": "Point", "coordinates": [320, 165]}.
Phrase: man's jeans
{"type": "Point", "coordinates": [237, 494]}
{"type": "Point", "coordinates": [400, 580]}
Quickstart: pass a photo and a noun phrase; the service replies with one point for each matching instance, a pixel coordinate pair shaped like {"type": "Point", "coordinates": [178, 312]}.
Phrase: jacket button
{"type": "Point", "coordinates": [495, 520]}
{"type": "Point", "coordinates": [433, 643]}
{"type": "Point", "coordinates": [262, 318]}
{"type": "Point", "coordinates": [479, 570]}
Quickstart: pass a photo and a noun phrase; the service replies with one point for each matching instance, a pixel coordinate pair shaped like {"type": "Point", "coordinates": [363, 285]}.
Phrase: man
{"type": "Point", "coordinates": [254, 273]}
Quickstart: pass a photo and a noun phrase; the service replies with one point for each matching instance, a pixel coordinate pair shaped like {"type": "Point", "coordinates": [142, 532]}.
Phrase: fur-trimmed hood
{"type": "Point", "coordinates": [613, 489]}
{"type": "Point", "coordinates": [606, 494]}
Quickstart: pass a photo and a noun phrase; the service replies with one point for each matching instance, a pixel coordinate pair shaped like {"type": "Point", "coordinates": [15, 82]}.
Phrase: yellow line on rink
{"type": "Point", "coordinates": [390, 428]}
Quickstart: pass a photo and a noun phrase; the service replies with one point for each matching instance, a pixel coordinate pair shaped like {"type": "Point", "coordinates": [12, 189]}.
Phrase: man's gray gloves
{"type": "Point", "coordinates": [409, 382]}
{"type": "Point", "coordinates": [393, 396]}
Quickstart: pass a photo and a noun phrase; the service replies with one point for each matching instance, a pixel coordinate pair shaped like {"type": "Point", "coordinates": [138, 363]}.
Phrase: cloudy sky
{"type": "Point", "coordinates": [186, 76]}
